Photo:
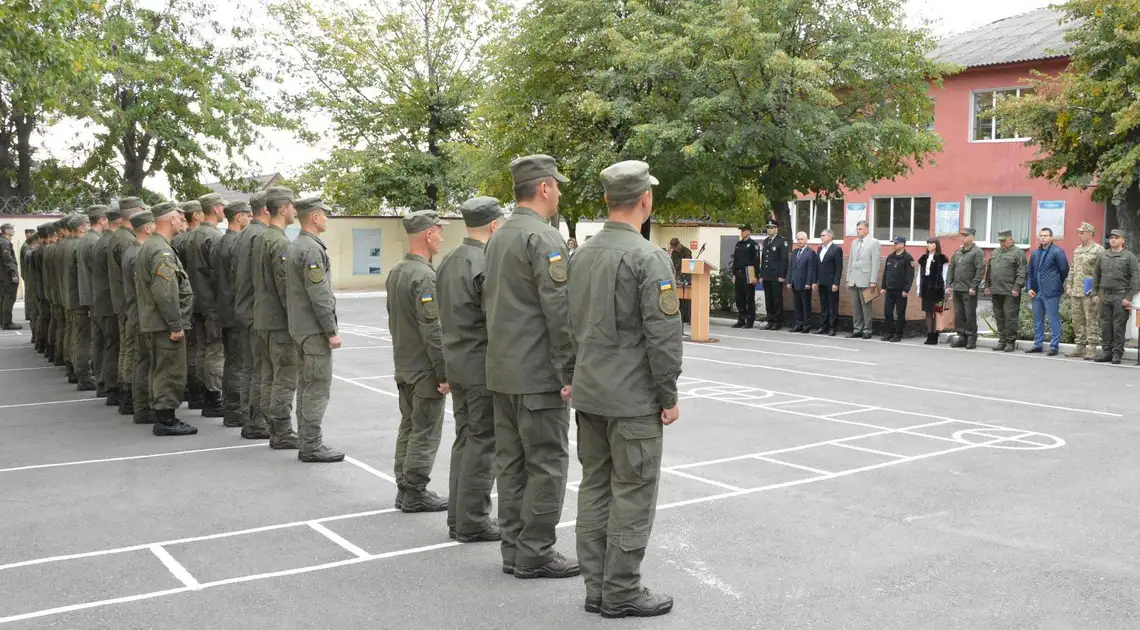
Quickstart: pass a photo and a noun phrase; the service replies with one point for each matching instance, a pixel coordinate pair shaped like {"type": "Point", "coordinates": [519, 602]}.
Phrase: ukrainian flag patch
{"type": "Point", "coordinates": [665, 285]}
{"type": "Point", "coordinates": [554, 256]}
{"type": "Point", "coordinates": [426, 297]}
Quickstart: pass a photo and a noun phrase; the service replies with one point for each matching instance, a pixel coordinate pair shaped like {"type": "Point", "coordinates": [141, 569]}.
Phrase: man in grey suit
{"type": "Point", "coordinates": [862, 273]}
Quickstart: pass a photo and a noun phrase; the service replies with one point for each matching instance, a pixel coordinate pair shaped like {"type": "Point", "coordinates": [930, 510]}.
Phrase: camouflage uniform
{"type": "Point", "coordinates": [1086, 320]}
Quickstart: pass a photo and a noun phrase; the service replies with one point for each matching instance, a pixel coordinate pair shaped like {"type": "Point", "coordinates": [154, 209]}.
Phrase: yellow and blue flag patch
{"type": "Point", "coordinates": [554, 256]}
{"type": "Point", "coordinates": [664, 285]}
{"type": "Point", "coordinates": [426, 297]}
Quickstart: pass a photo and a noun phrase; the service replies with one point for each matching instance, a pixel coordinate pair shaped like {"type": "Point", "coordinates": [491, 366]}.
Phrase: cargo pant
{"type": "Point", "coordinates": [81, 346]}
{"type": "Point", "coordinates": [472, 459]}
{"type": "Point", "coordinates": [63, 352]}
{"type": "Point", "coordinates": [211, 354]}
{"type": "Point", "coordinates": [231, 374]}
{"type": "Point", "coordinates": [167, 375]}
{"type": "Point", "coordinates": [192, 358]}
{"type": "Point", "coordinates": [96, 341]}
{"type": "Point", "coordinates": [617, 501]}
{"type": "Point", "coordinates": [1007, 314]}
{"type": "Point", "coordinates": [1113, 322]}
{"type": "Point", "coordinates": [112, 375]}
{"type": "Point", "coordinates": [138, 355]}
{"type": "Point", "coordinates": [1086, 322]}
{"type": "Point", "coordinates": [532, 456]}
{"type": "Point", "coordinates": [122, 351]}
{"type": "Point", "coordinates": [966, 315]}
{"type": "Point", "coordinates": [314, 385]}
{"type": "Point", "coordinates": [421, 429]}
{"type": "Point", "coordinates": [279, 364]}
{"type": "Point", "coordinates": [8, 290]}
{"type": "Point", "coordinates": [249, 380]}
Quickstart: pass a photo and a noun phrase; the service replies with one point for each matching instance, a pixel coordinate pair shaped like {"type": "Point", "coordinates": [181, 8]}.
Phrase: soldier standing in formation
{"type": "Point", "coordinates": [1116, 280]}
{"type": "Point", "coordinates": [1005, 279]}
{"type": "Point", "coordinates": [628, 359]}
{"type": "Point", "coordinates": [86, 254]}
{"type": "Point", "coordinates": [313, 327]}
{"type": "Point", "coordinates": [774, 271]}
{"type": "Point", "coordinates": [165, 305]}
{"type": "Point", "coordinates": [963, 279]}
{"type": "Point", "coordinates": [134, 364]}
{"type": "Point", "coordinates": [413, 318]}
{"type": "Point", "coordinates": [9, 277]}
{"type": "Point", "coordinates": [209, 354]}
{"type": "Point", "coordinates": [460, 295]}
{"type": "Point", "coordinates": [745, 274]}
{"type": "Point", "coordinates": [1079, 288]}
{"type": "Point", "coordinates": [128, 339]}
{"type": "Point", "coordinates": [192, 217]}
{"type": "Point", "coordinates": [30, 305]}
{"type": "Point", "coordinates": [530, 371]}
{"type": "Point", "coordinates": [79, 320]}
{"type": "Point", "coordinates": [223, 275]}
{"type": "Point", "coordinates": [104, 324]}
{"type": "Point", "coordinates": [254, 426]}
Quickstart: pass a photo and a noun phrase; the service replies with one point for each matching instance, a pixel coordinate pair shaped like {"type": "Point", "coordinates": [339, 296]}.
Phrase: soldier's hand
{"type": "Point", "coordinates": [1127, 303]}
{"type": "Point", "coordinates": [444, 388]}
{"type": "Point", "coordinates": [883, 292]}
{"type": "Point", "coordinates": [334, 342]}
{"type": "Point", "coordinates": [566, 392]}
{"type": "Point", "coordinates": [177, 336]}
{"type": "Point", "coordinates": [781, 279]}
{"type": "Point", "coordinates": [815, 287]}
{"type": "Point", "coordinates": [1016, 293]}
{"type": "Point", "coordinates": [1068, 293]}
{"type": "Point", "coordinates": [669, 416]}
{"type": "Point", "coordinates": [973, 292]}
{"type": "Point", "coordinates": [906, 293]}
{"type": "Point", "coordinates": [835, 288]}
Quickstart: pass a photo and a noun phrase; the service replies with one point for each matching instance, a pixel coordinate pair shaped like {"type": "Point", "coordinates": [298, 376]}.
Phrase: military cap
{"type": "Point", "coordinates": [535, 167]}
{"type": "Point", "coordinates": [113, 214]}
{"type": "Point", "coordinates": [970, 231]}
{"type": "Point", "coordinates": [142, 219]}
{"type": "Point", "coordinates": [257, 201]}
{"type": "Point", "coordinates": [94, 213]}
{"type": "Point", "coordinates": [49, 228]}
{"type": "Point", "coordinates": [747, 227]}
{"type": "Point", "coordinates": [127, 203]}
{"type": "Point", "coordinates": [7, 226]}
{"type": "Point", "coordinates": [627, 181]}
{"type": "Point", "coordinates": [41, 230]}
{"type": "Point", "coordinates": [899, 240]}
{"type": "Point", "coordinates": [235, 208]}
{"type": "Point", "coordinates": [76, 220]}
{"type": "Point", "coordinates": [771, 224]}
{"type": "Point", "coordinates": [1004, 234]}
{"type": "Point", "coordinates": [188, 207]}
{"type": "Point", "coordinates": [1086, 227]}
{"type": "Point", "coordinates": [416, 222]}
{"type": "Point", "coordinates": [165, 208]}
{"type": "Point", "coordinates": [309, 205]}
{"type": "Point", "coordinates": [278, 193]}
{"type": "Point", "coordinates": [480, 211]}
{"type": "Point", "coordinates": [210, 200]}
{"type": "Point", "coordinates": [1119, 233]}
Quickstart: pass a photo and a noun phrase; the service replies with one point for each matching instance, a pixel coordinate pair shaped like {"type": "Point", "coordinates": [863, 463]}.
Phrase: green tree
{"type": "Point", "coordinates": [175, 95]}
{"type": "Point", "coordinates": [1085, 121]}
{"type": "Point", "coordinates": [399, 82]}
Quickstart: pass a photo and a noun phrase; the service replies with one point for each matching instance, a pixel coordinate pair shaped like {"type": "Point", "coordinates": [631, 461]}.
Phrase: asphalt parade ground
{"type": "Point", "coordinates": [811, 482]}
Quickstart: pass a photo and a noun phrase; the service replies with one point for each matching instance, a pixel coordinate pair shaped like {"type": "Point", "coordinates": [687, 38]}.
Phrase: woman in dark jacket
{"type": "Point", "coordinates": [932, 286]}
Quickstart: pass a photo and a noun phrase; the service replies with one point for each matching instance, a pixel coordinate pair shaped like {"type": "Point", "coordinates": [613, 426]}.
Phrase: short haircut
{"type": "Point", "coordinates": [863, 223]}
{"type": "Point", "coordinates": [803, 234]}
{"type": "Point", "coordinates": [1049, 230]}
{"type": "Point", "coordinates": [528, 190]}
{"type": "Point", "coordinates": [828, 232]}
{"type": "Point", "coordinates": [275, 206]}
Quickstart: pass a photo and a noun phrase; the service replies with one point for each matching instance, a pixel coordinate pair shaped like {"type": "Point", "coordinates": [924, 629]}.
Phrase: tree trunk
{"type": "Point", "coordinates": [134, 173]}
{"type": "Point", "coordinates": [25, 124]}
{"type": "Point", "coordinates": [7, 167]}
{"type": "Point", "coordinates": [1128, 217]}
{"type": "Point", "coordinates": [572, 228]}
{"type": "Point", "coordinates": [783, 212]}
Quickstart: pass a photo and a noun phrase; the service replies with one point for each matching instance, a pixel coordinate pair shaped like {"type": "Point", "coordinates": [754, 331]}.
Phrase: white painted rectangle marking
{"type": "Point", "coordinates": [781, 462]}
{"type": "Point", "coordinates": [175, 567]}
{"type": "Point", "coordinates": [869, 450]}
{"type": "Point", "coordinates": [701, 479]}
{"type": "Point", "coordinates": [338, 539]}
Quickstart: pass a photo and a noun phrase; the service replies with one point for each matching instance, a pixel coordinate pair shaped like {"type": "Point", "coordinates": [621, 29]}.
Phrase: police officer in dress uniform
{"type": "Point", "coordinates": [209, 354]}
{"type": "Point", "coordinates": [417, 349]}
{"type": "Point", "coordinates": [237, 218]}
{"type": "Point", "coordinates": [774, 272]}
{"type": "Point", "coordinates": [135, 362]}
{"type": "Point", "coordinates": [628, 358]}
{"type": "Point", "coordinates": [1115, 283]}
{"type": "Point", "coordinates": [254, 426]}
{"type": "Point", "coordinates": [165, 303]}
{"type": "Point", "coordinates": [530, 371]}
{"type": "Point", "coordinates": [459, 292]}
{"type": "Point", "coordinates": [745, 257]}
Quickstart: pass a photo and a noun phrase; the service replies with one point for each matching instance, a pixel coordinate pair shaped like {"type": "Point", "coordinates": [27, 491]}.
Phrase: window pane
{"type": "Point", "coordinates": [803, 217]}
{"type": "Point", "coordinates": [835, 224]}
{"type": "Point", "coordinates": [978, 209]}
{"type": "Point", "coordinates": [882, 219]}
{"type": "Point", "coordinates": [922, 219]}
{"type": "Point", "coordinates": [901, 226]}
{"type": "Point", "coordinates": [1012, 213]}
{"type": "Point", "coordinates": [983, 122]}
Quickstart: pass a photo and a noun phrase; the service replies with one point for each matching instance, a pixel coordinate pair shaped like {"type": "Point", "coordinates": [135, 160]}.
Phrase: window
{"type": "Point", "coordinates": [991, 215]}
{"type": "Point", "coordinates": [986, 126]}
{"type": "Point", "coordinates": [908, 217]}
{"type": "Point", "coordinates": [815, 216]}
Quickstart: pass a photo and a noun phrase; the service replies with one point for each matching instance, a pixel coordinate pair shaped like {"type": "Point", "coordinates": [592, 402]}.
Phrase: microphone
{"type": "Point", "coordinates": [701, 251]}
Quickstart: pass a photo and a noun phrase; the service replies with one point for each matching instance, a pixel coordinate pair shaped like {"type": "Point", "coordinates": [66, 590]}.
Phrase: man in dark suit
{"type": "Point", "coordinates": [802, 278]}
{"type": "Point", "coordinates": [829, 278]}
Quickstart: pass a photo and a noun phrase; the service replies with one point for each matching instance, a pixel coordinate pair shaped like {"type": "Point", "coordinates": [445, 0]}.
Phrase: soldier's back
{"type": "Point", "coordinates": [459, 288]}
{"type": "Point", "coordinates": [243, 272]}
{"type": "Point", "coordinates": [307, 281]}
{"type": "Point", "coordinates": [410, 289]}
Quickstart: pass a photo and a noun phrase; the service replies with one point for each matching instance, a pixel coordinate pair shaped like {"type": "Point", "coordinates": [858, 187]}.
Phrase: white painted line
{"type": "Point", "coordinates": [788, 343]}
{"type": "Point", "coordinates": [356, 334]}
{"type": "Point", "coordinates": [52, 402]}
{"type": "Point", "coordinates": [106, 602]}
{"type": "Point", "coordinates": [175, 567]}
{"type": "Point", "coordinates": [829, 416]}
{"type": "Point", "coordinates": [711, 482]}
{"type": "Point", "coordinates": [342, 348]}
{"type": "Point", "coordinates": [369, 378]}
{"type": "Point", "coordinates": [130, 457]}
{"type": "Point", "coordinates": [46, 367]}
{"type": "Point", "coordinates": [338, 539]}
{"type": "Point", "coordinates": [869, 381]}
{"type": "Point", "coordinates": [870, 450]}
{"type": "Point", "coordinates": [370, 470]}
{"type": "Point", "coordinates": [791, 465]}
{"type": "Point", "coordinates": [790, 402]}
{"type": "Point", "coordinates": [775, 354]}
{"type": "Point", "coordinates": [349, 295]}
{"type": "Point", "coordinates": [379, 391]}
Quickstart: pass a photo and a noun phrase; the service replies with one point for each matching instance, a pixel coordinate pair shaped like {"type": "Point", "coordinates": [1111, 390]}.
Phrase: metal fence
{"type": "Point", "coordinates": [24, 206]}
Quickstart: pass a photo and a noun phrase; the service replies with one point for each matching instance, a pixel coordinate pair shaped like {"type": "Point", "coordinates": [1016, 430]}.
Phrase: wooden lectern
{"type": "Point", "coordinates": [698, 296]}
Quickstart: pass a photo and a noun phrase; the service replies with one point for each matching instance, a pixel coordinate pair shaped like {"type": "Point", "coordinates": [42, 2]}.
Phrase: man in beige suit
{"type": "Point", "coordinates": [862, 273]}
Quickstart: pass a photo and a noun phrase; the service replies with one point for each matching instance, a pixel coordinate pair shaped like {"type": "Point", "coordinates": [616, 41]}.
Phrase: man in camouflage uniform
{"type": "Point", "coordinates": [1005, 279]}
{"type": "Point", "coordinates": [104, 323]}
{"type": "Point", "coordinates": [126, 344]}
{"type": "Point", "coordinates": [1086, 319]}
{"type": "Point", "coordinates": [1116, 281]}
{"type": "Point", "coordinates": [237, 218]}
{"type": "Point", "coordinates": [165, 305]}
{"type": "Point", "coordinates": [199, 256]}
{"type": "Point", "coordinates": [413, 319]}
{"type": "Point", "coordinates": [460, 295]}
{"type": "Point", "coordinates": [963, 279]}
{"type": "Point", "coordinates": [192, 215]}
{"type": "Point", "coordinates": [88, 269]}
{"type": "Point", "coordinates": [136, 364]}
{"type": "Point", "coordinates": [313, 326]}
{"type": "Point", "coordinates": [530, 369]}
{"type": "Point", "coordinates": [9, 277]}
{"type": "Point", "coordinates": [79, 322]}
{"type": "Point", "coordinates": [279, 359]}
{"type": "Point", "coordinates": [254, 426]}
{"type": "Point", "coordinates": [627, 360]}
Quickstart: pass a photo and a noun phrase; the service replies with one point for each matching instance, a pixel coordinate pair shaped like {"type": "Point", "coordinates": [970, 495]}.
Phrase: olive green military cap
{"type": "Point", "coordinates": [210, 200]}
{"type": "Point", "coordinates": [127, 203]}
{"type": "Point", "coordinates": [627, 181]}
{"type": "Point", "coordinates": [970, 231]}
{"type": "Point", "coordinates": [1119, 233]}
{"type": "Point", "coordinates": [42, 230]}
{"type": "Point", "coordinates": [94, 213]}
{"type": "Point", "coordinates": [1004, 234]}
{"type": "Point", "coordinates": [49, 228]}
{"type": "Point", "coordinates": [165, 208]}
{"type": "Point", "coordinates": [188, 207]}
{"type": "Point", "coordinates": [480, 211]}
{"type": "Point", "coordinates": [75, 221]}
{"type": "Point", "coordinates": [257, 201]}
{"type": "Point", "coordinates": [416, 222]}
{"type": "Point", "coordinates": [1086, 227]}
{"type": "Point", "coordinates": [535, 167]}
{"type": "Point", "coordinates": [309, 205]}
{"type": "Point", "coordinates": [7, 226]}
{"type": "Point", "coordinates": [278, 193]}
{"type": "Point", "coordinates": [142, 219]}
{"type": "Point", "coordinates": [113, 214]}
{"type": "Point", "coordinates": [235, 208]}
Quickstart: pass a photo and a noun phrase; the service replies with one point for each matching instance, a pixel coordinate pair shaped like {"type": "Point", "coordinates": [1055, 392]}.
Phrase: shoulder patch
{"type": "Point", "coordinates": [557, 267]}
{"type": "Point", "coordinates": [429, 306]}
{"type": "Point", "coordinates": [667, 298]}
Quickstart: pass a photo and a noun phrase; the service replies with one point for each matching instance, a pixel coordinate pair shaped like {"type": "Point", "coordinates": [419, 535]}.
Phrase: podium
{"type": "Point", "coordinates": [698, 295]}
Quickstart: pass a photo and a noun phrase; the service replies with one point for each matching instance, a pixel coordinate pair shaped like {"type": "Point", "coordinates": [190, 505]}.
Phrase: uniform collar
{"type": "Point", "coordinates": [274, 227]}
{"type": "Point", "coordinates": [474, 242]}
{"type": "Point", "coordinates": [618, 225]}
{"type": "Point", "coordinates": [314, 237]}
{"type": "Point", "coordinates": [257, 221]}
{"type": "Point", "coordinates": [530, 213]}
{"type": "Point", "coordinates": [417, 258]}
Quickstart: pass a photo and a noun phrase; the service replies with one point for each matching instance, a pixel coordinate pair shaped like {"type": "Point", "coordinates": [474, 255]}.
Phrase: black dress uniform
{"type": "Point", "coordinates": [745, 256]}
{"type": "Point", "coordinates": [774, 268]}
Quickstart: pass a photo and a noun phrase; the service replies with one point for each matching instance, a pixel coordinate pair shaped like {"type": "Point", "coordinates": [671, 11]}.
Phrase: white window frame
{"type": "Point", "coordinates": [910, 233]}
{"type": "Point", "coordinates": [813, 233]}
{"type": "Point", "coordinates": [986, 243]}
{"type": "Point", "coordinates": [994, 119]}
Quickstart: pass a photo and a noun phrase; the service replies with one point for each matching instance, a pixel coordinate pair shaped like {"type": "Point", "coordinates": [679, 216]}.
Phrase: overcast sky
{"type": "Point", "coordinates": [288, 156]}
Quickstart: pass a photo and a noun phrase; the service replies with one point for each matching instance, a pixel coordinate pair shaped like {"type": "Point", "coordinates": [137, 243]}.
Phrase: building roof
{"type": "Point", "coordinates": [260, 182]}
{"type": "Point", "coordinates": [1027, 37]}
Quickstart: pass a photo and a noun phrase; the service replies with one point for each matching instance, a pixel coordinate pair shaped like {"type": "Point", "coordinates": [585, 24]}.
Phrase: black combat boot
{"type": "Point", "coordinates": [490, 534]}
{"type": "Point", "coordinates": [126, 400]}
{"type": "Point", "coordinates": [646, 604]}
{"type": "Point", "coordinates": [100, 389]}
{"type": "Point", "coordinates": [71, 377]}
{"type": "Point", "coordinates": [114, 395]}
{"type": "Point", "coordinates": [425, 501]}
{"type": "Point", "coordinates": [212, 407]}
{"type": "Point", "coordinates": [165, 424]}
{"type": "Point", "coordinates": [195, 399]}
{"type": "Point", "coordinates": [557, 567]}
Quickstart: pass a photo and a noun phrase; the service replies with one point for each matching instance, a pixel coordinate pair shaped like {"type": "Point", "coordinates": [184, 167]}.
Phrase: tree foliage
{"type": "Point", "coordinates": [399, 82]}
{"type": "Point", "coordinates": [1085, 121]}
